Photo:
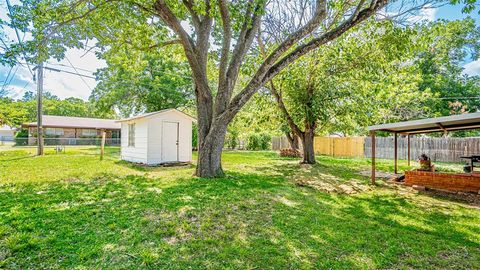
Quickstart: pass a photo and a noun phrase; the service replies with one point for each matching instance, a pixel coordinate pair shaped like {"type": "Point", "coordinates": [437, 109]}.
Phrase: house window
{"type": "Point", "coordinates": [131, 135]}
{"type": "Point", "coordinates": [54, 131]}
{"type": "Point", "coordinates": [89, 132]}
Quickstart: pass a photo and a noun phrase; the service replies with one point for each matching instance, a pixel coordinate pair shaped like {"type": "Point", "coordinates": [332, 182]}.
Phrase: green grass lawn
{"type": "Point", "coordinates": [73, 211]}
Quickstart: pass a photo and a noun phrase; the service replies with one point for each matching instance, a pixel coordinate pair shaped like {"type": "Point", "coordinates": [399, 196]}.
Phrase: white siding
{"type": "Point", "coordinates": [138, 153]}
{"type": "Point", "coordinates": [148, 138]}
{"type": "Point", "coordinates": [6, 135]}
{"type": "Point", "coordinates": [155, 136]}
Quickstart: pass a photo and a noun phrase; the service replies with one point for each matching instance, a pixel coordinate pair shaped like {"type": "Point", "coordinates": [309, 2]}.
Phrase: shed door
{"type": "Point", "coordinates": [170, 141]}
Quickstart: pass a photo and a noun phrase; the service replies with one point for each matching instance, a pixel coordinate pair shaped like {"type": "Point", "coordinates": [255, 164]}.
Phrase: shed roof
{"type": "Point", "coordinates": [145, 115]}
{"type": "Point", "coordinates": [76, 122]}
{"type": "Point", "coordinates": [437, 124]}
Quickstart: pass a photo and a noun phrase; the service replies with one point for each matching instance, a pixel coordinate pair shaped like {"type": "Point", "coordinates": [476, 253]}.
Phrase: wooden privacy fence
{"type": "Point", "coordinates": [340, 147]}
{"type": "Point", "coordinates": [438, 149]}
{"type": "Point", "coordinates": [280, 143]}
{"type": "Point", "coordinates": [330, 146]}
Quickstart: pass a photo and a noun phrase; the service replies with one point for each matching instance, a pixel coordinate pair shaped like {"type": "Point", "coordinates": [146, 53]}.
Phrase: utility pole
{"type": "Point", "coordinates": [39, 109]}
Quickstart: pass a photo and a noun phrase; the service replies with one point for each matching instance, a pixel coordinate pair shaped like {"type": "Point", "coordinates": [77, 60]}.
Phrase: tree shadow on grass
{"type": "Point", "coordinates": [245, 220]}
{"type": "Point", "coordinates": [146, 168]}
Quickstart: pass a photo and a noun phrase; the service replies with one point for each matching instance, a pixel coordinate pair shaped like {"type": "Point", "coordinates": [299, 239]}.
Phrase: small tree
{"type": "Point", "coordinates": [343, 80]}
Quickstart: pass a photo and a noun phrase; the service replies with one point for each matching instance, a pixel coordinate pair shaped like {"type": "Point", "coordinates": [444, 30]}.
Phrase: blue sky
{"type": "Point", "coordinates": [68, 85]}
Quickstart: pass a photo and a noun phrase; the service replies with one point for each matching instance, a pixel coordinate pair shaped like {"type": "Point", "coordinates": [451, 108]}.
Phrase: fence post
{"type": "Point", "coordinates": [372, 134]}
{"type": "Point", "coordinates": [102, 144]}
{"type": "Point", "coordinates": [408, 149]}
{"type": "Point", "coordinates": [395, 151]}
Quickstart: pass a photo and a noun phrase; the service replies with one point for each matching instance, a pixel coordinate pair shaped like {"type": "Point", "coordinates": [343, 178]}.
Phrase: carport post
{"type": "Point", "coordinates": [408, 149]}
{"type": "Point", "coordinates": [395, 151]}
{"type": "Point", "coordinates": [372, 135]}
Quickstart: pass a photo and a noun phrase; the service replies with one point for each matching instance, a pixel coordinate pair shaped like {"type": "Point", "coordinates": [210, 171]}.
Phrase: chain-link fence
{"type": "Point", "coordinates": [32, 141]}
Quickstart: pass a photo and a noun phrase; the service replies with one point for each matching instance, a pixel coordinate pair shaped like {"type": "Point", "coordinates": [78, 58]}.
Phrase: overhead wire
{"type": "Point", "coordinates": [20, 41]}
{"type": "Point", "coordinates": [76, 71]}
{"type": "Point", "coordinates": [63, 65]}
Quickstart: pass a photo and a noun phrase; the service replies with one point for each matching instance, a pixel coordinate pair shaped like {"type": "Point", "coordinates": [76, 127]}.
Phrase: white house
{"type": "Point", "coordinates": [7, 133]}
{"type": "Point", "coordinates": [158, 137]}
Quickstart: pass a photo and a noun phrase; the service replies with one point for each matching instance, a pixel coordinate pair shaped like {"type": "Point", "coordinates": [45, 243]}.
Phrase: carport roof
{"type": "Point", "coordinates": [438, 124]}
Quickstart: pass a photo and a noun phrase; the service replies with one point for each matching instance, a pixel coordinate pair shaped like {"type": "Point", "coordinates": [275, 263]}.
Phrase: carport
{"type": "Point", "coordinates": [429, 125]}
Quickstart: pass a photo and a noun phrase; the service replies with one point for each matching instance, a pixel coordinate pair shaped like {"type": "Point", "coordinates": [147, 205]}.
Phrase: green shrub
{"type": "Point", "coordinates": [265, 140]}
{"type": "Point", "coordinates": [232, 139]}
{"type": "Point", "coordinates": [21, 138]}
{"type": "Point", "coordinates": [257, 141]}
{"type": "Point", "coordinates": [253, 142]}
{"type": "Point", "coordinates": [194, 137]}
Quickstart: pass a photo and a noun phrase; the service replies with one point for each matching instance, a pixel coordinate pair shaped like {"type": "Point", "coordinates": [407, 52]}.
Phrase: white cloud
{"type": "Point", "coordinates": [70, 85]}
{"type": "Point", "coordinates": [426, 14]}
{"type": "Point", "coordinates": [60, 84]}
{"type": "Point", "coordinates": [472, 68]}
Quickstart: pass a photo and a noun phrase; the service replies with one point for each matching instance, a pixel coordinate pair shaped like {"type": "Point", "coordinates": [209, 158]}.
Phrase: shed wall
{"type": "Point", "coordinates": [139, 152]}
{"type": "Point", "coordinates": [155, 129]}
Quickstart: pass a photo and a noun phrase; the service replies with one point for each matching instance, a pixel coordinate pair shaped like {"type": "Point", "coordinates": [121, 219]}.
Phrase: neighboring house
{"type": "Point", "coordinates": [7, 133]}
{"type": "Point", "coordinates": [67, 130]}
{"type": "Point", "coordinates": [158, 137]}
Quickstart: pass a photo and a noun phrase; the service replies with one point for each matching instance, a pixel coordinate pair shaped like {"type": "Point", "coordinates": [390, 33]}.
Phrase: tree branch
{"type": "Point", "coordinates": [247, 34]}
{"type": "Point", "coordinates": [328, 36]}
{"type": "Point", "coordinates": [195, 18]}
{"type": "Point", "coordinates": [189, 47]}
{"type": "Point", "coordinates": [278, 97]}
{"type": "Point", "coordinates": [314, 23]}
{"type": "Point", "coordinates": [281, 105]}
{"type": "Point", "coordinates": [227, 38]}
{"type": "Point", "coordinates": [261, 77]}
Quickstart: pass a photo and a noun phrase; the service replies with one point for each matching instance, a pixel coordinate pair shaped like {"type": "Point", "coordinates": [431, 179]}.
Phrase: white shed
{"type": "Point", "coordinates": [158, 137]}
{"type": "Point", "coordinates": [7, 133]}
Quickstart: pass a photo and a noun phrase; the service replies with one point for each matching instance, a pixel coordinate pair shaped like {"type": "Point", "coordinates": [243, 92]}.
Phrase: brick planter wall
{"type": "Point", "coordinates": [447, 181]}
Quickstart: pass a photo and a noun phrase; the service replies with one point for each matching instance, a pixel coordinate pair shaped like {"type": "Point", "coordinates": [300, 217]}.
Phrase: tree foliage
{"type": "Point", "coordinates": [143, 81]}
{"type": "Point", "coordinates": [221, 30]}
{"type": "Point", "coordinates": [447, 45]}
{"type": "Point", "coordinates": [17, 112]}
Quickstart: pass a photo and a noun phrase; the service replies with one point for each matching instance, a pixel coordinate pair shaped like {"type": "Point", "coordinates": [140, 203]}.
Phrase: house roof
{"type": "Point", "coordinates": [438, 124]}
{"type": "Point", "coordinates": [7, 128]}
{"type": "Point", "coordinates": [76, 122]}
{"type": "Point", "coordinates": [145, 115]}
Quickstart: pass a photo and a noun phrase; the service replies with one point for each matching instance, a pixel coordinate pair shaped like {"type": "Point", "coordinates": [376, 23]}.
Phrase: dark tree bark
{"type": "Point", "coordinates": [292, 140]}
{"type": "Point", "coordinates": [216, 112]}
{"type": "Point", "coordinates": [209, 162]}
{"type": "Point", "coordinates": [308, 145]}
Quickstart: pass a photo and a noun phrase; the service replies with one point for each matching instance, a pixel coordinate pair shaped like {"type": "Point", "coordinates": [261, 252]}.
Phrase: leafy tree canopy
{"type": "Point", "coordinates": [17, 112]}
{"type": "Point", "coordinates": [447, 45]}
{"type": "Point", "coordinates": [143, 81]}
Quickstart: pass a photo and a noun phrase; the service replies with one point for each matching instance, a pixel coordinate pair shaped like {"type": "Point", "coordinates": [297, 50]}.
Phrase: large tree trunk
{"type": "Point", "coordinates": [213, 117]}
{"type": "Point", "coordinates": [308, 145]}
{"type": "Point", "coordinates": [210, 145]}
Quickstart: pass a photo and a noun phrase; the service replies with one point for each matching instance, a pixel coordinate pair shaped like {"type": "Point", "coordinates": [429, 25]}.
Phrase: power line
{"type": "Point", "coordinates": [19, 92]}
{"type": "Point", "coordinates": [69, 72]}
{"type": "Point", "coordinates": [20, 41]}
{"type": "Point", "coordinates": [6, 78]}
{"type": "Point", "coordinates": [76, 71]}
{"type": "Point", "coordinates": [13, 76]}
{"type": "Point", "coordinates": [63, 65]}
